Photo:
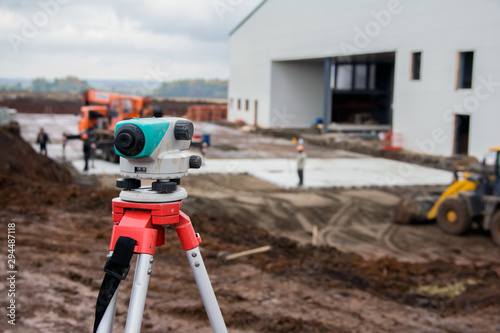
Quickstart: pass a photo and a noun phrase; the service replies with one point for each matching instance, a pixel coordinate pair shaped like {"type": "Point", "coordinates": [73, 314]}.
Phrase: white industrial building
{"type": "Point", "coordinates": [428, 69]}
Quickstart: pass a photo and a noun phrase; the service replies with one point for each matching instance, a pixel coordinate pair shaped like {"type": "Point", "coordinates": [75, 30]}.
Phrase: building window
{"type": "Point", "coordinates": [372, 75]}
{"type": "Point", "coordinates": [343, 80]}
{"type": "Point", "coordinates": [465, 61]}
{"type": "Point", "coordinates": [247, 105]}
{"type": "Point", "coordinates": [230, 103]}
{"type": "Point", "coordinates": [333, 75]}
{"type": "Point", "coordinates": [360, 76]}
{"type": "Point", "coordinates": [416, 58]}
{"type": "Point", "coordinates": [239, 104]}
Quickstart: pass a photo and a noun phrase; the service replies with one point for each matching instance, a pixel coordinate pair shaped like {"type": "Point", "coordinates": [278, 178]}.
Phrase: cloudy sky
{"type": "Point", "coordinates": [118, 39]}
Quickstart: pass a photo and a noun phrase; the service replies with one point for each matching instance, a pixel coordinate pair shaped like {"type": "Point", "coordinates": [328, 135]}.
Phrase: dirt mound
{"type": "Point", "coordinates": [19, 160]}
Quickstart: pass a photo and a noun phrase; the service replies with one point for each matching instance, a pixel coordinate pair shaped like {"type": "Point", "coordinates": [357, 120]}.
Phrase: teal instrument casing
{"type": "Point", "coordinates": [154, 130]}
{"type": "Point", "coordinates": [159, 153]}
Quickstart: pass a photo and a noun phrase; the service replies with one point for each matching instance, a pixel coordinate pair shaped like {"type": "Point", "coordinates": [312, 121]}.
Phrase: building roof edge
{"type": "Point", "coordinates": [247, 17]}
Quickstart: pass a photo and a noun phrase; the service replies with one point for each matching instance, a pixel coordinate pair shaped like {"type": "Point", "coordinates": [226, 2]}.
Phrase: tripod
{"type": "Point", "coordinates": [140, 217]}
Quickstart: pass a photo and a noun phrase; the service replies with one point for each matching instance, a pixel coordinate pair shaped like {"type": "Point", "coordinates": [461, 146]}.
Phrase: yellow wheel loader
{"type": "Point", "coordinates": [473, 198]}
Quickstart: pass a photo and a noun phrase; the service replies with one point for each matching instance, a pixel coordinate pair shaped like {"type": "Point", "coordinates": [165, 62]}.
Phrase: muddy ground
{"type": "Point", "coordinates": [366, 274]}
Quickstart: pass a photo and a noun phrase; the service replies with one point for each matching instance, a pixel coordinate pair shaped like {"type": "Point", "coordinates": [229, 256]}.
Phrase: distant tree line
{"type": "Point", "coordinates": [193, 89]}
{"type": "Point", "coordinates": [181, 88]}
{"type": "Point", "coordinates": [69, 84]}
{"type": "Point", "coordinates": [12, 87]}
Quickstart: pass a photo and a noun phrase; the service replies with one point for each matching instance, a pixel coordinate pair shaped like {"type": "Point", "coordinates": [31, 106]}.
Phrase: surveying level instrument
{"type": "Point", "coordinates": [152, 148]}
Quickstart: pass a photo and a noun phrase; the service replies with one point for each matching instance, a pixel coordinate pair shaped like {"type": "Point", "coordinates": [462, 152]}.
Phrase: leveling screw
{"type": "Point", "coordinates": [193, 254]}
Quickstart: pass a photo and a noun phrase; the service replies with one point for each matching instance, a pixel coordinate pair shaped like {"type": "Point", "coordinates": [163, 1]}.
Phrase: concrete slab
{"type": "Point", "coordinates": [324, 167]}
{"type": "Point", "coordinates": [100, 167]}
{"type": "Point", "coordinates": [339, 172]}
{"type": "Point", "coordinates": [344, 173]}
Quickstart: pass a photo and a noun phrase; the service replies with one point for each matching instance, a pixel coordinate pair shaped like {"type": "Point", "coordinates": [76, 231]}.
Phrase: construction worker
{"type": "Point", "coordinates": [86, 150]}
{"type": "Point", "coordinates": [42, 140]}
{"type": "Point", "coordinates": [203, 150]}
{"type": "Point", "coordinates": [301, 162]}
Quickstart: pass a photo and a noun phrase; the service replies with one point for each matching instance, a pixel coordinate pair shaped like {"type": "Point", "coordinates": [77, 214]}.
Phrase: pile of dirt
{"type": "Point", "coordinates": [29, 180]}
{"type": "Point", "coordinates": [19, 160]}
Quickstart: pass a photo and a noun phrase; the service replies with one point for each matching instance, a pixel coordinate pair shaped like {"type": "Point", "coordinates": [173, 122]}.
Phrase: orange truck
{"type": "Point", "coordinates": [103, 110]}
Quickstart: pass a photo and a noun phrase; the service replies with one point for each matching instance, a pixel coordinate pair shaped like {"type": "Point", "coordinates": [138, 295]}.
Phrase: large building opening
{"type": "Point", "coordinates": [362, 89]}
{"type": "Point", "coordinates": [352, 93]}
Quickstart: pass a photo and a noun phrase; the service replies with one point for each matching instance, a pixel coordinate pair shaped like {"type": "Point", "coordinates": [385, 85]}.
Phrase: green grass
{"type": "Point", "coordinates": [449, 290]}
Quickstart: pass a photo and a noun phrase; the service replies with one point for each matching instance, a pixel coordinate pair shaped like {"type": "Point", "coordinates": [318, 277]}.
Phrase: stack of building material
{"type": "Point", "coordinates": [207, 112]}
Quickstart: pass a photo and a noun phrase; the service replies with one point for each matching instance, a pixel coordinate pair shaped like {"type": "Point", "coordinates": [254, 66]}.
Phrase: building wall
{"type": "Point", "coordinates": [424, 110]}
{"type": "Point", "coordinates": [297, 93]}
{"type": "Point", "coordinates": [298, 29]}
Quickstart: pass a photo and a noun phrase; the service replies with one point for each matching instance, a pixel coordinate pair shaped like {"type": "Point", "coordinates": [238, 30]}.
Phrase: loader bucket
{"type": "Point", "coordinates": [413, 208]}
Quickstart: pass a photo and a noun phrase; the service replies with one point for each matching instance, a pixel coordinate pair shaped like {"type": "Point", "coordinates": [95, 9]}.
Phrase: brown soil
{"type": "Point", "coordinates": [19, 160]}
{"type": "Point", "coordinates": [59, 103]}
{"type": "Point", "coordinates": [62, 236]}
{"type": "Point", "coordinates": [56, 103]}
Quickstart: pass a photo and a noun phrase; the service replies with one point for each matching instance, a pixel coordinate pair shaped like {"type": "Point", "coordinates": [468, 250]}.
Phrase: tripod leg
{"type": "Point", "coordinates": [139, 292]}
{"type": "Point", "coordinates": [106, 325]}
{"type": "Point", "coordinates": [206, 291]}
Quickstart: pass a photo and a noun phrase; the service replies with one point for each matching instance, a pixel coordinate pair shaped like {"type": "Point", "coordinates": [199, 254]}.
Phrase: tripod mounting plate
{"type": "Point", "coordinates": [146, 194]}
